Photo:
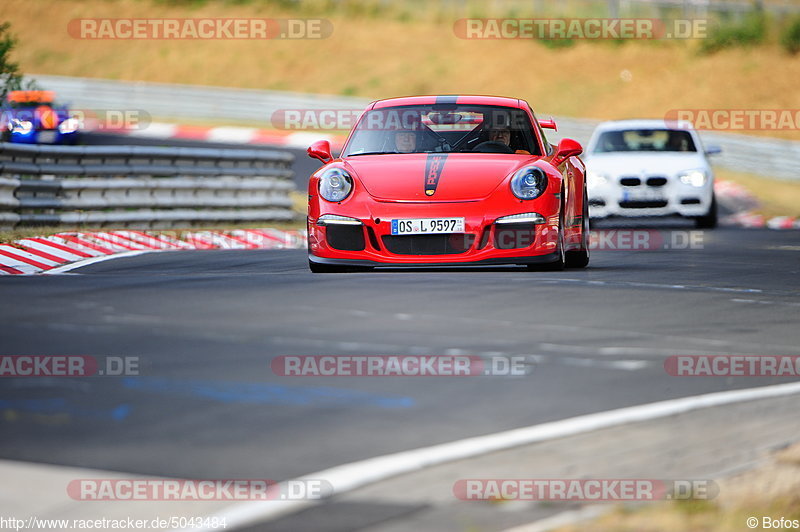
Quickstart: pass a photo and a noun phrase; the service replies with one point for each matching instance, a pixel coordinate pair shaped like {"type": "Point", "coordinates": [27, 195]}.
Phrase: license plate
{"type": "Point", "coordinates": [642, 195]}
{"type": "Point", "coordinates": [427, 226]}
{"type": "Point", "coordinates": [46, 137]}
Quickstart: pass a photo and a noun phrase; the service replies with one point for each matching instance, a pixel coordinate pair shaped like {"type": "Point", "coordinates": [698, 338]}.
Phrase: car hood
{"type": "Point", "coordinates": [668, 164]}
{"type": "Point", "coordinates": [454, 177]}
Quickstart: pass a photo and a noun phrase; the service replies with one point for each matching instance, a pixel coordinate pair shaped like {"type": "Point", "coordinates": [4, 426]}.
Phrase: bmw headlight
{"type": "Point", "coordinates": [529, 183]}
{"type": "Point", "coordinates": [70, 125]}
{"type": "Point", "coordinates": [20, 126]}
{"type": "Point", "coordinates": [695, 178]}
{"type": "Point", "coordinates": [595, 180]}
{"type": "Point", "coordinates": [335, 184]}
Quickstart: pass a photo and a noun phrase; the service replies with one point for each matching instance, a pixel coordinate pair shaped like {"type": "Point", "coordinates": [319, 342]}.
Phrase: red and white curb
{"type": "Point", "coordinates": [743, 202]}
{"type": "Point", "coordinates": [63, 251]}
{"type": "Point", "coordinates": [232, 135]}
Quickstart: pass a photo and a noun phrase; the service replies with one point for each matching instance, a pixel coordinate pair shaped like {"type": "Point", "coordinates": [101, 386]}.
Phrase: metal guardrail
{"type": "Point", "coordinates": [175, 101]}
{"type": "Point", "coordinates": [139, 186]}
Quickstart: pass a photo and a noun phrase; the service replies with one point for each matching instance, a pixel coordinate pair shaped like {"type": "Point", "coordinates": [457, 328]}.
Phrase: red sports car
{"type": "Point", "coordinates": [447, 181]}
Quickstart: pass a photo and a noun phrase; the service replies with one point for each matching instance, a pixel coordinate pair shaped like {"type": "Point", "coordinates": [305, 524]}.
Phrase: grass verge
{"type": "Point", "coordinates": [771, 490]}
{"type": "Point", "coordinates": [776, 197]}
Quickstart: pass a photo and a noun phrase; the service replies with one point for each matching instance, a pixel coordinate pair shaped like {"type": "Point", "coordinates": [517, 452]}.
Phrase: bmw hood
{"type": "Point", "coordinates": [433, 176]}
{"type": "Point", "coordinates": [637, 164]}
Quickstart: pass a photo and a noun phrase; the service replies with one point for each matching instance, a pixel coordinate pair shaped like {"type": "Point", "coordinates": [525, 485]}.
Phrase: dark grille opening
{"type": "Point", "coordinates": [652, 204]}
{"type": "Point", "coordinates": [656, 181]}
{"type": "Point", "coordinates": [345, 237]}
{"type": "Point", "coordinates": [514, 236]}
{"type": "Point", "coordinates": [373, 240]}
{"type": "Point", "coordinates": [630, 181]}
{"type": "Point", "coordinates": [485, 237]}
{"type": "Point", "coordinates": [444, 244]}
{"type": "Point", "coordinates": [596, 202]}
{"type": "Point", "coordinates": [690, 201]}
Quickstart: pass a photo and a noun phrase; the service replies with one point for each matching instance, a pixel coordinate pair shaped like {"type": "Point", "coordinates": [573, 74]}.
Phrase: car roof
{"type": "Point", "coordinates": [650, 123]}
{"type": "Point", "coordinates": [451, 99]}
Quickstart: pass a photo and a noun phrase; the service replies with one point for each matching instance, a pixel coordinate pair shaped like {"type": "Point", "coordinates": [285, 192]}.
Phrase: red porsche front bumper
{"type": "Point", "coordinates": [366, 239]}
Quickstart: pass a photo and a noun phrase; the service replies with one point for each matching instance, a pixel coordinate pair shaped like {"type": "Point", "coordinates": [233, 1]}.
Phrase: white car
{"type": "Point", "coordinates": [650, 168]}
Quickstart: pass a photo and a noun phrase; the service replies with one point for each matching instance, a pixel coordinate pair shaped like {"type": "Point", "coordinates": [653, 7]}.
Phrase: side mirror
{"type": "Point", "coordinates": [321, 150]}
{"type": "Point", "coordinates": [566, 148]}
{"type": "Point", "coordinates": [548, 124]}
{"type": "Point", "coordinates": [713, 149]}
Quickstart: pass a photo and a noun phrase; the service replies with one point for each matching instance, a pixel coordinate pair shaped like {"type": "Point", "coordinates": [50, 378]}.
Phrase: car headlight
{"type": "Point", "coordinates": [529, 183]}
{"type": "Point", "coordinates": [525, 217]}
{"type": "Point", "coordinates": [695, 178]}
{"type": "Point", "coordinates": [20, 126]}
{"type": "Point", "coordinates": [335, 184]}
{"type": "Point", "coordinates": [595, 180]}
{"type": "Point", "coordinates": [70, 125]}
{"type": "Point", "coordinates": [335, 219]}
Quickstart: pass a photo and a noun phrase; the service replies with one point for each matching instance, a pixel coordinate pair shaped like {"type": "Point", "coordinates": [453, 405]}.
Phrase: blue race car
{"type": "Point", "coordinates": [30, 117]}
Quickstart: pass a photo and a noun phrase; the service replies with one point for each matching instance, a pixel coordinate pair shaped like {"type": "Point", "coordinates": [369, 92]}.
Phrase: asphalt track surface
{"type": "Point", "coordinates": [206, 324]}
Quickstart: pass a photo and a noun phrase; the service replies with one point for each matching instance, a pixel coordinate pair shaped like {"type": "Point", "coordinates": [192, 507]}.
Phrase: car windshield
{"type": "Point", "coordinates": [29, 105]}
{"type": "Point", "coordinates": [443, 129]}
{"type": "Point", "coordinates": [662, 140]}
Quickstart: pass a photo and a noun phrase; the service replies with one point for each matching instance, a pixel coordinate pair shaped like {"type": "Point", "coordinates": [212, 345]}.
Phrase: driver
{"type": "Point", "coordinates": [405, 141]}
{"type": "Point", "coordinates": [502, 134]}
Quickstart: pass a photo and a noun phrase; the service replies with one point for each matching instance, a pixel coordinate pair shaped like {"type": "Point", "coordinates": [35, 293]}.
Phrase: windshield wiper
{"type": "Point", "coordinates": [371, 153]}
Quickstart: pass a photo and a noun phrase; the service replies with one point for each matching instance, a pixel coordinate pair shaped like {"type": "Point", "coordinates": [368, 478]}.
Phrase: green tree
{"type": "Point", "coordinates": [10, 77]}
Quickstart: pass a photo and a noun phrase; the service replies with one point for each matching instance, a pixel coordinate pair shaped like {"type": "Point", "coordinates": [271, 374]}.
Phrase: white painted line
{"type": "Point", "coordinates": [357, 474]}
{"type": "Point", "coordinates": [570, 517]}
{"type": "Point", "coordinates": [94, 260]}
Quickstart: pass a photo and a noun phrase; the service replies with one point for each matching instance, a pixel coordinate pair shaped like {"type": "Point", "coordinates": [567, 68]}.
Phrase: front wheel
{"type": "Point", "coordinates": [709, 221]}
{"type": "Point", "coordinates": [579, 258]}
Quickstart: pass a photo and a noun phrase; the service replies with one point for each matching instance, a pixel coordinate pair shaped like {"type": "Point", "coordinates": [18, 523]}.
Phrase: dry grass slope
{"type": "Point", "coordinates": [388, 56]}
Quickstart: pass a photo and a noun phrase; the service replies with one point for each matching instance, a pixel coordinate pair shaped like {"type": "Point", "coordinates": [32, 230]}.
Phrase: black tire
{"type": "Point", "coordinates": [579, 258]}
{"type": "Point", "coordinates": [709, 221]}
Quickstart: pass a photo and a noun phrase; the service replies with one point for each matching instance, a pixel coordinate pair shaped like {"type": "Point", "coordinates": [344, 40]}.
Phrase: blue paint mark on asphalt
{"type": "Point", "coordinates": [262, 393]}
{"type": "Point", "coordinates": [59, 405]}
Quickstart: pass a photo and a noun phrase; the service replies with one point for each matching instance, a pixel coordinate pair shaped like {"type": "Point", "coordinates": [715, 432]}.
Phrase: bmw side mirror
{"type": "Point", "coordinates": [321, 150]}
{"type": "Point", "coordinates": [566, 148]}
{"type": "Point", "coordinates": [713, 149]}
